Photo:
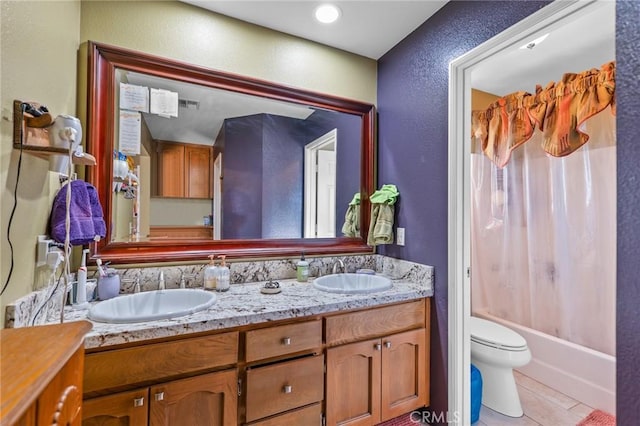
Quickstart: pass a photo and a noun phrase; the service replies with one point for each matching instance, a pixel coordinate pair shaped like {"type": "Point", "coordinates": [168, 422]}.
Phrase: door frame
{"type": "Point", "coordinates": [459, 249]}
{"type": "Point", "coordinates": [310, 178]}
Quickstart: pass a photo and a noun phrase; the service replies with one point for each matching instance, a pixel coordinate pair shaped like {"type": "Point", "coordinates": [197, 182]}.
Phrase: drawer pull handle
{"type": "Point", "coordinates": [377, 347]}
{"type": "Point", "coordinates": [287, 389]}
{"type": "Point", "coordinates": [286, 341]}
{"type": "Point", "coordinates": [138, 402]}
{"type": "Point", "coordinates": [159, 396]}
{"type": "Point", "coordinates": [387, 344]}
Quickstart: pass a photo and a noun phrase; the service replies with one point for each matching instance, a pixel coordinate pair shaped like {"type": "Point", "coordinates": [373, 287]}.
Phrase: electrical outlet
{"type": "Point", "coordinates": [400, 236]}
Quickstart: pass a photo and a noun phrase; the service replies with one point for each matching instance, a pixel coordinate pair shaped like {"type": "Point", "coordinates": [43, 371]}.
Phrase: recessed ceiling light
{"type": "Point", "coordinates": [533, 43]}
{"type": "Point", "coordinates": [327, 13]}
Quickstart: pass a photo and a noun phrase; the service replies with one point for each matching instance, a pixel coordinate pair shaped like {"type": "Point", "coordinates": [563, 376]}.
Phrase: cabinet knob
{"type": "Point", "coordinates": [286, 341]}
{"type": "Point", "coordinates": [377, 347]}
{"type": "Point", "coordinates": [387, 344]}
{"type": "Point", "coordinates": [159, 396]}
{"type": "Point", "coordinates": [138, 402]}
{"type": "Point", "coordinates": [287, 389]}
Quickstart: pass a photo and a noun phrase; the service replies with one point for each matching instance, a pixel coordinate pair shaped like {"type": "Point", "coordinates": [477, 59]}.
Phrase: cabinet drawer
{"type": "Point", "coordinates": [376, 322]}
{"type": "Point", "coordinates": [282, 340]}
{"type": "Point", "coordinates": [283, 386]}
{"type": "Point", "coordinates": [306, 416]}
{"type": "Point", "coordinates": [116, 368]}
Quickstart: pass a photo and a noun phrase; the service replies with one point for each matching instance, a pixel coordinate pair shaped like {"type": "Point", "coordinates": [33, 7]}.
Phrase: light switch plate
{"type": "Point", "coordinates": [400, 236]}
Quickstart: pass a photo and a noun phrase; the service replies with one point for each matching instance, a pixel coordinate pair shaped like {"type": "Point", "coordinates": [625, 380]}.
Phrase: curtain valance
{"type": "Point", "coordinates": [559, 111]}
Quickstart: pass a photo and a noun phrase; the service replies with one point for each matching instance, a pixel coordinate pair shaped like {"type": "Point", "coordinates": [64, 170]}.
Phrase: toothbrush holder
{"type": "Point", "coordinates": [108, 286]}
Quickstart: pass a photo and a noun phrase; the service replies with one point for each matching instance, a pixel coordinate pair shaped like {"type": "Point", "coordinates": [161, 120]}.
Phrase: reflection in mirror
{"type": "Point", "coordinates": [256, 167]}
{"type": "Point", "coordinates": [194, 162]}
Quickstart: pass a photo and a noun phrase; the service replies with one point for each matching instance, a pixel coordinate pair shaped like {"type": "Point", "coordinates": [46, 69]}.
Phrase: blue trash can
{"type": "Point", "coordinates": [476, 393]}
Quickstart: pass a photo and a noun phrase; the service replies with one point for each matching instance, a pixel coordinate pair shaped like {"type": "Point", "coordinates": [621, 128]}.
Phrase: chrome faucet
{"type": "Point", "coordinates": [161, 281]}
{"type": "Point", "coordinates": [337, 263]}
{"type": "Point", "coordinates": [184, 277]}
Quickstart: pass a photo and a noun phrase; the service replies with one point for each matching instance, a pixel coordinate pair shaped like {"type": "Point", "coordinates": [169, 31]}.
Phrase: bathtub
{"type": "Point", "coordinates": [583, 374]}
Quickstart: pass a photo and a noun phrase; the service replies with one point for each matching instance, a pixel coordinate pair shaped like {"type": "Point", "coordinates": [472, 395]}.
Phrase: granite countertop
{"type": "Point", "coordinates": [244, 304]}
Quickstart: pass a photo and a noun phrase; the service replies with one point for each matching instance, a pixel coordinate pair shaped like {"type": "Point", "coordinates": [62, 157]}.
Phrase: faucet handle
{"type": "Point", "coordinates": [136, 283]}
{"type": "Point", "coordinates": [161, 281]}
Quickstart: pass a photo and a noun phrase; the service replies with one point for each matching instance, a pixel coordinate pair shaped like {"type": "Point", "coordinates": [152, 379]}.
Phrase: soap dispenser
{"type": "Point", "coordinates": [211, 274]}
{"type": "Point", "coordinates": [223, 275]}
{"type": "Point", "coordinates": [302, 269]}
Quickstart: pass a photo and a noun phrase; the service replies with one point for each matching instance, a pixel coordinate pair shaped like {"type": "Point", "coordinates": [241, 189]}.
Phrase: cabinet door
{"type": "Point", "coordinates": [120, 409]}
{"type": "Point", "coordinates": [170, 170]}
{"type": "Point", "coordinates": [404, 375]}
{"type": "Point", "coordinates": [353, 384]}
{"type": "Point", "coordinates": [206, 400]}
{"type": "Point", "coordinates": [198, 172]}
{"type": "Point", "coordinates": [60, 402]}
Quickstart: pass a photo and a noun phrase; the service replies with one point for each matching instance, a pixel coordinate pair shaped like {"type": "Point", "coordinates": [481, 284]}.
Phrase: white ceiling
{"type": "Point", "coordinates": [367, 28]}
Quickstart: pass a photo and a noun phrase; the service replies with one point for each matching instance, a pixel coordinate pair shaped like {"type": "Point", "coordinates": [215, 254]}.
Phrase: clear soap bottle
{"type": "Point", "coordinates": [211, 275]}
{"type": "Point", "coordinates": [223, 275]}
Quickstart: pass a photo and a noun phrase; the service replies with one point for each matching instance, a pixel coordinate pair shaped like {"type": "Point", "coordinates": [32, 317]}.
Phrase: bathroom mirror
{"type": "Point", "coordinates": [234, 183]}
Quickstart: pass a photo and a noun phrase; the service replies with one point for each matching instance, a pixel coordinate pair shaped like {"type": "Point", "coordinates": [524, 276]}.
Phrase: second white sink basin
{"type": "Point", "coordinates": [352, 283]}
{"type": "Point", "coordinates": [151, 305]}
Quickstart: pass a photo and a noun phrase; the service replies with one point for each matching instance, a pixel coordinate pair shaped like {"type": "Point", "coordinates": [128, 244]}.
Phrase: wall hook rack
{"type": "Point", "coordinates": [36, 140]}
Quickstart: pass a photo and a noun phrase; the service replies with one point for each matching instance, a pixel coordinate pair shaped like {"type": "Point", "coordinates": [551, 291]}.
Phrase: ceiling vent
{"type": "Point", "coordinates": [188, 104]}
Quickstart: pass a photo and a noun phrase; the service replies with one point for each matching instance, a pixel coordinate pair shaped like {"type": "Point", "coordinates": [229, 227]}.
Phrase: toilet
{"type": "Point", "coordinates": [495, 351]}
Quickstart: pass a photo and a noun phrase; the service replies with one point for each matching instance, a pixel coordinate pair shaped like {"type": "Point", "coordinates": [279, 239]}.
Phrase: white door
{"type": "Point", "coordinates": [326, 197]}
{"type": "Point", "coordinates": [320, 186]}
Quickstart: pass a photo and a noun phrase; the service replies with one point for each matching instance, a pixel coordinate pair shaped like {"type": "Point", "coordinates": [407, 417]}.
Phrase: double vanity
{"type": "Point", "coordinates": [292, 358]}
{"type": "Point", "coordinates": [329, 351]}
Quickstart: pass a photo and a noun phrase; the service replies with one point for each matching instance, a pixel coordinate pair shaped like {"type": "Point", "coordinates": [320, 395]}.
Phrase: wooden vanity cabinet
{"type": "Point", "coordinates": [373, 380]}
{"type": "Point", "coordinates": [201, 398]}
{"type": "Point", "coordinates": [284, 375]}
{"type": "Point", "coordinates": [184, 170]}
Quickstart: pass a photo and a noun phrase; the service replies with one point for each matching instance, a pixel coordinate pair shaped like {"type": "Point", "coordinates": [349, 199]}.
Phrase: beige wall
{"type": "Point", "coordinates": [194, 35]}
{"type": "Point", "coordinates": [40, 42]}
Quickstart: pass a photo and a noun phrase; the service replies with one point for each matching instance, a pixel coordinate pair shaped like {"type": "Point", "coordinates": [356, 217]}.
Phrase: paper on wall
{"type": "Point", "coordinates": [134, 98]}
{"type": "Point", "coordinates": [164, 103]}
{"type": "Point", "coordinates": [129, 132]}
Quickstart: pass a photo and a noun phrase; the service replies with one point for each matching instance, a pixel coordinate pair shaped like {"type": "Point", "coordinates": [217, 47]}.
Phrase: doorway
{"type": "Point", "coordinates": [320, 186]}
{"type": "Point", "coordinates": [550, 18]}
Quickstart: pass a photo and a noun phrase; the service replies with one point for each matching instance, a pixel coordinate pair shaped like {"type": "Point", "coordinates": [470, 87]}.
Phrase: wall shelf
{"type": "Point", "coordinates": [36, 141]}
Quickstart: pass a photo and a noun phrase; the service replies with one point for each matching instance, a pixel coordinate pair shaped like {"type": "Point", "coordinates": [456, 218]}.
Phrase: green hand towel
{"type": "Point", "coordinates": [381, 226]}
{"type": "Point", "coordinates": [351, 227]}
{"type": "Point", "coordinates": [388, 194]}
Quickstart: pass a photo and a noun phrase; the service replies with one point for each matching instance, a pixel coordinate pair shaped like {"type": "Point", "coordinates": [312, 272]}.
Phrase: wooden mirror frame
{"type": "Point", "coordinates": [103, 62]}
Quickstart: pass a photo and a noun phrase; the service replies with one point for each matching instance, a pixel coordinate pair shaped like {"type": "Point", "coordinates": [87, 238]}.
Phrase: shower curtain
{"type": "Point", "coordinates": [543, 245]}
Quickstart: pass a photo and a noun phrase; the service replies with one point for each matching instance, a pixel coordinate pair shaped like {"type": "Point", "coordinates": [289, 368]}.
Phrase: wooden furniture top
{"type": "Point", "coordinates": [31, 357]}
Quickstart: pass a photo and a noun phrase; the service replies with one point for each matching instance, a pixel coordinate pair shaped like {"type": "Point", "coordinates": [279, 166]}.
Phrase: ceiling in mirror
{"type": "Point", "coordinates": [203, 109]}
{"type": "Point", "coordinates": [233, 168]}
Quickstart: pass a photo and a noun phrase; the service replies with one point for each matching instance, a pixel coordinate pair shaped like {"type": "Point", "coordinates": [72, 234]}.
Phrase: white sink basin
{"type": "Point", "coordinates": [151, 305]}
{"type": "Point", "coordinates": [352, 283]}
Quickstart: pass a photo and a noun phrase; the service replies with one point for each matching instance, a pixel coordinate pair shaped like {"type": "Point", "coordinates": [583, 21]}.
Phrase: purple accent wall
{"type": "Point", "coordinates": [242, 178]}
{"type": "Point", "coordinates": [412, 106]}
{"type": "Point", "coordinates": [628, 212]}
{"type": "Point", "coordinates": [263, 169]}
{"type": "Point", "coordinates": [413, 86]}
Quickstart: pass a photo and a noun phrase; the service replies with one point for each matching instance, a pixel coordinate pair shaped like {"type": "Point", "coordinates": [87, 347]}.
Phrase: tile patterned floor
{"type": "Point", "coordinates": [542, 406]}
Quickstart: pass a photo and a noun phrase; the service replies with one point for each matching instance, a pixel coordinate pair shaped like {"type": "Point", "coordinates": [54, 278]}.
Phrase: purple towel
{"type": "Point", "coordinates": [85, 213]}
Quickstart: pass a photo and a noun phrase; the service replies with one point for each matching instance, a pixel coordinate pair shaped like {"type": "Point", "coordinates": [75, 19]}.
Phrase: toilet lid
{"type": "Point", "coordinates": [498, 336]}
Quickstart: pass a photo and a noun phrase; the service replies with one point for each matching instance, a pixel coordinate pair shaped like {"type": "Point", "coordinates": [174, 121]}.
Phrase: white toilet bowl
{"type": "Point", "coordinates": [495, 351]}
